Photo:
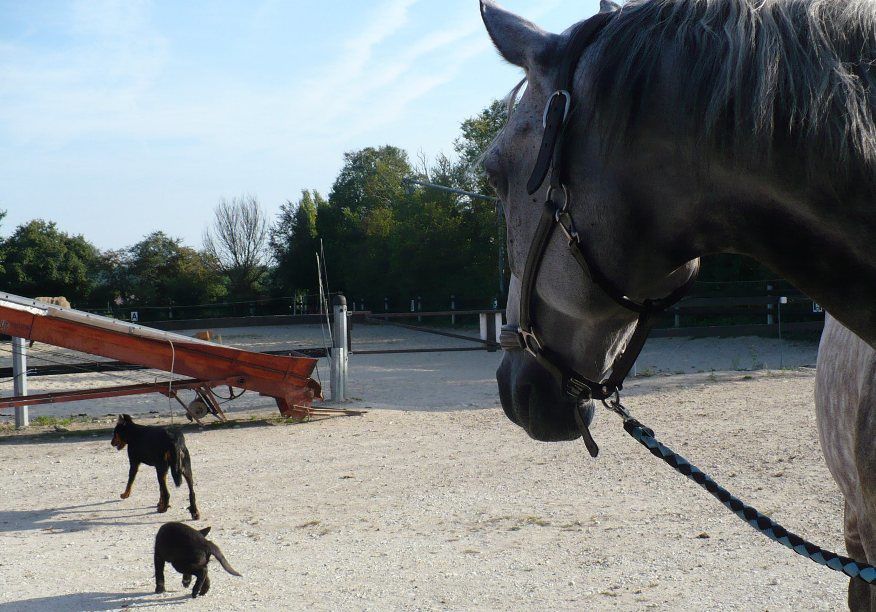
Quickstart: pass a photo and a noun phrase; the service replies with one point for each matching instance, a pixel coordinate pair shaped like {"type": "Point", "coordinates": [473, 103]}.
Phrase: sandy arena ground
{"type": "Point", "coordinates": [433, 500]}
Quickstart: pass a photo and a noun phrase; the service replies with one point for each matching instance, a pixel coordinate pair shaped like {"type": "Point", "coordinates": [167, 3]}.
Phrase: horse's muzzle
{"type": "Point", "coordinates": [533, 399]}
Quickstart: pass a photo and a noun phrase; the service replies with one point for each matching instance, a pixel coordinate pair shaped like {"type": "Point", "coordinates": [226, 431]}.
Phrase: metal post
{"type": "Point", "coordinates": [339, 349]}
{"type": "Point", "coordinates": [419, 308]}
{"type": "Point", "coordinates": [769, 289]}
{"type": "Point", "coordinates": [677, 321]}
{"type": "Point", "coordinates": [782, 300]}
{"type": "Point", "coordinates": [386, 304]}
{"type": "Point", "coordinates": [453, 307]}
{"type": "Point", "coordinates": [19, 376]}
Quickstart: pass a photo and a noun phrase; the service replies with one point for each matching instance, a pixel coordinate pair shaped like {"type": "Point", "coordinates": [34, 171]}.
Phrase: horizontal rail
{"type": "Point", "coordinates": [456, 349]}
{"type": "Point", "coordinates": [102, 392]}
{"type": "Point", "coordinates": [734, 330]}
{"type": "Point", "coordinates": [431, 313]}
{"type": "Point", "coordinates": [224, 322]}
{"type": "Point", "coordinates": [430, 330]}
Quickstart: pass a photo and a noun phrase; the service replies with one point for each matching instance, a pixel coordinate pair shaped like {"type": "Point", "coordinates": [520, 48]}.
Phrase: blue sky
{"type": "Point", "coordinates": [118, 118]}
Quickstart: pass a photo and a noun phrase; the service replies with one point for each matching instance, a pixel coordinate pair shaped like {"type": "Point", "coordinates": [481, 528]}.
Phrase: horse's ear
{"type": "Point", "coordinates": [607, 6]}
{"type": "Point", "coordinates": [127, 418]}
{"type": "Point", "coordinates": [519, 41]}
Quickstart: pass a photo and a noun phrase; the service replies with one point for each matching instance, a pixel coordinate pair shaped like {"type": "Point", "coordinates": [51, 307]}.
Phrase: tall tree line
{"type": "Point", "coordinates": [382, 238]}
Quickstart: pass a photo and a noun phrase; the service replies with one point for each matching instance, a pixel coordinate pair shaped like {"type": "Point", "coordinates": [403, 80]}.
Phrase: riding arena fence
{"type": "Point", "coordinates": [775, 316]}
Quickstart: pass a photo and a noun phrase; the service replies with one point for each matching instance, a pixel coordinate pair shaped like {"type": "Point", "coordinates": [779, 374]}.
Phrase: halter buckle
{"type": "Point", "coordinates": [547, 106]}
{"type": "Point", "coordinates": [531, 343]}
{"type": "Point", "coordinates": [516, 339]}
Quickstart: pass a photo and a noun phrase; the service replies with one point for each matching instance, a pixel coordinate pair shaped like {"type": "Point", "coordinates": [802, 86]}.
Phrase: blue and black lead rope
{"type": "Point", "coordinates": [758, 521]}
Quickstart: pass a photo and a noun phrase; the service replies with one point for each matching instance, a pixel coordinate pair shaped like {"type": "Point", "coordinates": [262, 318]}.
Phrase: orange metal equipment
{"type": "Point", "coordinates": [286, 379]}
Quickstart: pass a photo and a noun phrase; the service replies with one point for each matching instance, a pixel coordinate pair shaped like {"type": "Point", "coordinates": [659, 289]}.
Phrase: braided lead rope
{"type": "Point", "coordinates": [750, 515]}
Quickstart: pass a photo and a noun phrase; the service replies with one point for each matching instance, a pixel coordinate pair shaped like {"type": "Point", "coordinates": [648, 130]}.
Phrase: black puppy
{"type": "Point", "coordinates": [162, 447]}
{"type": "Point", "coordinates": [188, 551]}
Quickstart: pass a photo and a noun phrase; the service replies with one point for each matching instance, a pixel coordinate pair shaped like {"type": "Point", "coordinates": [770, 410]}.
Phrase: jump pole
{"type": "Point", "coordinates": [339, 349]}
{"type": "Point", "coordinates": [19, 377]}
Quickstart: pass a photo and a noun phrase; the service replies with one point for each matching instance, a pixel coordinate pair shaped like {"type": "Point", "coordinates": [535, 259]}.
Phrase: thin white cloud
{"type": "Point", "coordinates": [91, 87]}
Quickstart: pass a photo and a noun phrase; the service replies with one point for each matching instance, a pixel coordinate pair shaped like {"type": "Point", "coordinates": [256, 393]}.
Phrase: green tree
{"type": "Point", "coordinates": [293, 241]}
{"type": "Point", "coordinates": [40, 259]}
{"type": "Point", "coordinates": [478, 133]}
{"type": "Point", "coordinates": [160, 271]}
{"type": "Point", "coordinates": [359, 220]}
{"type": "Point", "coordinates": [2, 245]}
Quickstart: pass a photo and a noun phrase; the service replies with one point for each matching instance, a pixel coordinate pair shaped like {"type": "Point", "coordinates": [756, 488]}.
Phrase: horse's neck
{"type": "Point", "coordinates": [820, 239]}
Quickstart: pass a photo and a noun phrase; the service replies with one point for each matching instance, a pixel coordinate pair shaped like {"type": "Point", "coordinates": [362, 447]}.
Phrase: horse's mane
{"type": "Point", "coordinates": [747, 74]}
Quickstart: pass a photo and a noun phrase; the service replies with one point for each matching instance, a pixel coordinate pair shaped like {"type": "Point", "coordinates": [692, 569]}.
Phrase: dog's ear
{"type": "Point", "coordinates": [205, 530]}
{"type": "Point", "coordinates": [128, 419]}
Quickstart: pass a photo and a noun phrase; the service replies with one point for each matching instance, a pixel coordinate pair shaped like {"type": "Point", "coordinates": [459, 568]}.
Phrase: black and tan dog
{"type": "Point", "coordinates": [188, 551]}
{"type": "Point", "coordinates": [162, 447]}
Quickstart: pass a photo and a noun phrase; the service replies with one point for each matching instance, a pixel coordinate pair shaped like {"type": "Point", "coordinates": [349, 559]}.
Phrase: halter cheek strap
{"type": "Point", "coordinates": [555, 215]}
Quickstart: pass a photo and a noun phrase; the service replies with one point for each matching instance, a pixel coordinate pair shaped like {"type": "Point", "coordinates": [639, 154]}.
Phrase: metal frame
{"type": "Point", "coordinates": [285, 378]}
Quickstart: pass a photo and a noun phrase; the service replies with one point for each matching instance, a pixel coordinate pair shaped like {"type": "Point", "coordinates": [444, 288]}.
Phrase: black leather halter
{"type": "Point", "coordinates": [550, 158]}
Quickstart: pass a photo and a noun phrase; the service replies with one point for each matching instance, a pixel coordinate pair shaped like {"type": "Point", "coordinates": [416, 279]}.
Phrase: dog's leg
{"type": "Point", "coordinates": [200, 575]}
{"type": "Point", "coordinates": [159, 573]}
{"type": "Point", "coordinates": [164, 499]}
{"type": "Point", "coordinates": [132, 473]}
{"type": "Point", "coordinates": [187, 579]}
{"type": "Point", "coordinates": [187, 474]}
{"type": "Point", "coordinates": [206, 586]}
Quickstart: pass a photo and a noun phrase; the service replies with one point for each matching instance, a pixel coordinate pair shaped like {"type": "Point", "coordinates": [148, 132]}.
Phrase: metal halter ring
{"type": "Point", "coordinates": [550, 193]}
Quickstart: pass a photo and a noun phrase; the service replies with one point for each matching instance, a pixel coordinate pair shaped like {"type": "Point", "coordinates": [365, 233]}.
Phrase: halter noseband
{"type": "Point", "coordinates": [550, 158]}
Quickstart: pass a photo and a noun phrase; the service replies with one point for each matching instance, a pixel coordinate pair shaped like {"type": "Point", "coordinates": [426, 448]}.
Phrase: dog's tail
{"type": "Point", "coordinates": [221, 558]}
{"type": "Point", "coordinates": [179, 455]}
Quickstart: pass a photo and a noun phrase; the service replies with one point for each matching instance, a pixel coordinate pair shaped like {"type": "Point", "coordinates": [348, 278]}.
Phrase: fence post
{"type": "Point", "coordinates": [419, 308]}
{"type": "Point", "coordinates": [339, 349]}
{"type": "Point", "coordinates": [496, 329]}
{"type": "Point", "coordinates": [19, 376]}
{"type": "Point", "coordinates": [782, 300]}
{"type": "Point", "coordinates": [386, 304]}
{"type": "Point", "coordinates": [769, 289]}
{"type": "Point", "coordinates": [677, 321]}
{"type": "Point", "coordinates": [452, 307]}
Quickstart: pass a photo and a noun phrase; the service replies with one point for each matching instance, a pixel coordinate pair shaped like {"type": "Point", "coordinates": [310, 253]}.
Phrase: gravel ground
{"type": "Point", "coordinates": [433, 500]}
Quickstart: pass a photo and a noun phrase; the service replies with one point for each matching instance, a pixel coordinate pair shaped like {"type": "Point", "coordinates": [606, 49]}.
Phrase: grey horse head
{"type": "Point", "coordinates": [576, 319]}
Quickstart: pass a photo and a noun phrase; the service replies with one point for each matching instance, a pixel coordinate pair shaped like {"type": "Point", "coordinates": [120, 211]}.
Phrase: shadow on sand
{"type": "Point", "coordinates": [94, 601]}
{"type": "Point", "coordinates": [85, 516]}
